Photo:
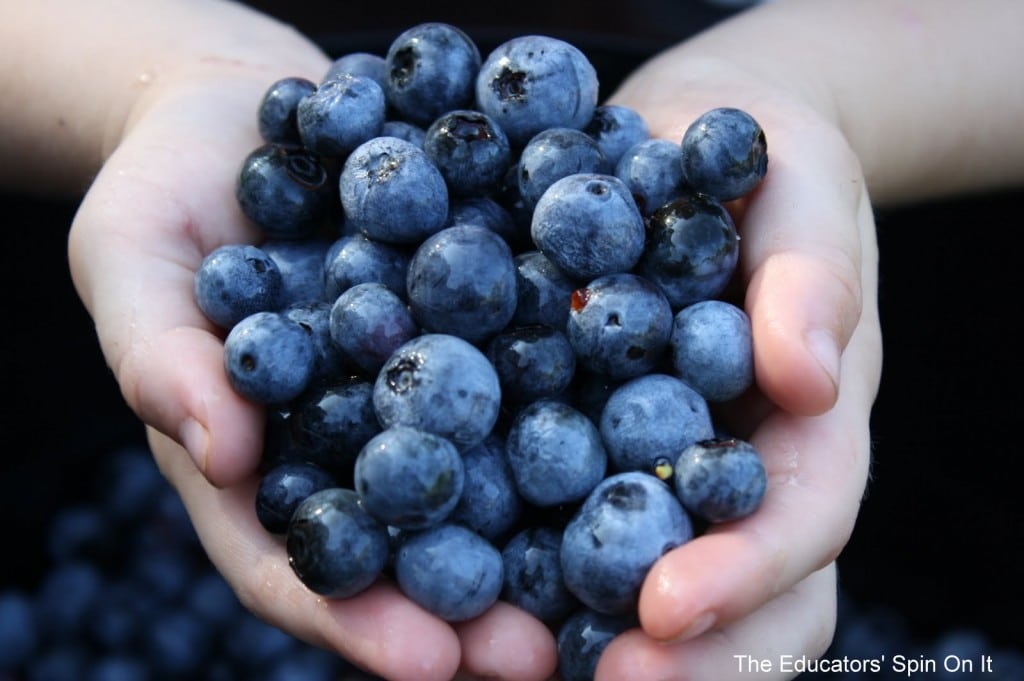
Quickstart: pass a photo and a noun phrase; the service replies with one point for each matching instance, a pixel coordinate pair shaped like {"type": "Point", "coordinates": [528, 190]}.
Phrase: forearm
{"type": "Point", "coordinates": [75, 72]}
{"type": "Point", "coordinates": [928, 93]}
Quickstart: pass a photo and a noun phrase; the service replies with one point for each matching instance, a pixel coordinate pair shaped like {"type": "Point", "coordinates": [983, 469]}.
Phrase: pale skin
{"type": "Point", "coordinates": [149, 114]}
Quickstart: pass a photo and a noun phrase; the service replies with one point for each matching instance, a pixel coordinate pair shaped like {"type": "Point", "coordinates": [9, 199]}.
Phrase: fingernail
{"type": "Point", "coordinates": [197, 441]}
{"type": "Point", "coordinates": [822, 346]}
{"type": "Point", "coordinates": [698, 626]}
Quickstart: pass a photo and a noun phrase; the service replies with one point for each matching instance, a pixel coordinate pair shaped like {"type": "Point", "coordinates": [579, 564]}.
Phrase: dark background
{"type": "Point", "coordinates": [938, 539]}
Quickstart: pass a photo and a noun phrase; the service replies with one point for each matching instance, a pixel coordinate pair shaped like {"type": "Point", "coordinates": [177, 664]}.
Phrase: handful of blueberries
{"type": "Point", "coordinates": [488, 322]}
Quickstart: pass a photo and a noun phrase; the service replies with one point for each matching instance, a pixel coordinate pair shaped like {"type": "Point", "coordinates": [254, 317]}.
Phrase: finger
{"type": "Point", "coordinates": [507, 643]}
{"type": "Point", "coordinates": [379, 629]}
{"type": "Point", "coordinates": [797, 623]}
{"type": "Point", "coordinates": [817, 469]}
{"type": "Point", "coordinates": [140, 234]}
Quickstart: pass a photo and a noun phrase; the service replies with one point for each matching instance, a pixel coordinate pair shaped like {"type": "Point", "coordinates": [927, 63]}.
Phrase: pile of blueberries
{"type": "Point", "coordinates": [489, 320]}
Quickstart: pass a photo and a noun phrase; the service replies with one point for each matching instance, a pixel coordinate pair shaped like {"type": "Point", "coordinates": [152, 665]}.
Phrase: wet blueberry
{"type": "Point", "coordinates": [328, 425]}
{"type": "Point", "coordinates": [284, 190]}
{"type": "Point", "coordinates": [276, 114]}
{"type": "Point", "coordinates": [283, 488]}
{"type": "Point", "coordinates": [533, 574]}
{"type": "Point", "coordinates": [450, 571]}
{"type": "Point", "coordinates": [650, 417]}
{"type": "Point", "coordinates": [470, 150]}
{"type": "Point", "coordinates": [442, 384]}
{"type": "Point", "coordinates": [532, 362]}
{"type": "Point", "coordinates": [725, 153]}
{"type": "Point", "coordinates": [409, 479]}
{"type": "Point", "coordinates": [356, 259]}
{"type": "Point", "coordinates": [368, 322]}
{"type": "Point", "coordinates": [302, 268]}
{"type": "Point", "coordinates": [269, 358]}
{"type": "Point", "coordinates": [236, 280]}
{"type": "Point", "coordinates": [626, 523]}
{"type": "Point", "coordinates": [720, 480]}
{"type": "Point", "coordinates": [544, 291]}
{"type": "Point", "coordinates": [334, 547]}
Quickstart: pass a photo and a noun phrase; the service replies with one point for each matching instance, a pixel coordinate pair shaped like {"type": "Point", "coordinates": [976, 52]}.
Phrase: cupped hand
{"type": "Point", "coordinates": [765, 586]}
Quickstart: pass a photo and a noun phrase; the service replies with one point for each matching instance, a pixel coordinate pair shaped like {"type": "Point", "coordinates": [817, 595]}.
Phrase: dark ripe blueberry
{"type": "Point", "coordinates": [236, 280]}
{"type": "Point", "coordinates": [720, 479]}
{"type": "Point", "coordinates": [471, 151]}
{"type": "Point", "coordinates": [277, 110]}
{"type": "Point", "coordinates": [552, 154]}
{"type": "Point", "coordinates": [368, 322]}
{"type": "Point", "coordinates": [285, 191]}
{"type": "Point", "coordinates": [533, 574]}
{"type": "Point", "coordinates": [269, 358]}
{"type": "Point", "coordinates": [582, 639]}
{"type": "Point", "coordinates": [283, 488]}
{"type": "Point", "coordinates": [328, 425]}
{"type": "Point", "coordinates": [616, 128]}
{"type": "Point", "coordinates": [532, 362]}
{"type": "Point", "coordinates": [341, 114]}
{"type": "Point", "coordinates": [545, 292]}
{"type": "Point", "coordinates": [490, 504]}
{"type": "Point", "coordinates": [712, 349]}
{"type": "Point", "coordinates": [725, 153]}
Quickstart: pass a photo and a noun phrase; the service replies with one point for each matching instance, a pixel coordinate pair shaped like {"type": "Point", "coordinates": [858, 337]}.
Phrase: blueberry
{"type": "Point", "coordinates": [534, 82]}
{"type": "Point", "coordinates": [619, 325]}
{"type": "Point", "coordinates": [283, 488]}
{"type": "Point", "coordinates": [269, 358]}
{"type": "Point", "coordinates": [276, 115]}
{"type": "Point", "coordinates": [391, 191]}
{"type": "Point", "coordinates": [720, 480]}
{"type": "Point", "coordinates": [450, 571]}
{"type": "Point", "coordinates": [469, 149]}
{"type": "Point", "coordinates": [652, 417]}
{"type": "Point", "coordinates": [410, 132]}
{"type": "Point", "coordinates": [341, 114]}
{"type": "Point", "coordinates": [315, 319]}
{"type": "Point", "coordinates": [285, 191]}
{"type": "Point", "coordinates": [582, 639]}
{"type": "Point", "coordinates": [334, 546]}
{"type": "Point", "coordinates": [616, 128]}
{"type": "Point", "coordinates": [532, 362]}
{"type": "Point", "coordinates": [725, 153]}
{"type": "Point", "coordinates": [589, 225]}
{"type": "Point", "coordinates": [442, 384]}
{"type": "Point", "coordinates": [236, 280]}
{"type": "Point", "coordinates": [365, 64]}
{"type": "Point", "coordinates": [431, 69]}
{"type": "Point", "coordinates": [490, 504]}
{"type": "Point", "coordinates": [302, 268]}
{"type": "Point", "coordinates": [66, 598]}
{"type": "Point", "coordinates": [19, 633]}
{"type": "Point", "coordinates": [328, 425]}
{"type": "Point", "coordinates": [368, 322]}
{"type": "Point", "coordinates": [555, 452]}
{"type": "Point", "coordinates": [555, 153]}
{"type": "Point", "coordinates": [712, 349]}
{"type": "Point", "coordinates": [692, 249]}
{"type": "Point", "coordinates": [462, 281]}
{"type": "Point", "coordinates": [626, 523]}
{"type": "Point", "coordinates": [653, 172]}
{"type": "Point", "coordinates": [408, 478]}
{"type": "Point", "coordinates": [486, 212]}
{"type": "Point", "coordinates": [533, 574]}
{"type": "Point", "coordinates": [356, 259]}
{"type": "Point", "coordinates": [544, 291]}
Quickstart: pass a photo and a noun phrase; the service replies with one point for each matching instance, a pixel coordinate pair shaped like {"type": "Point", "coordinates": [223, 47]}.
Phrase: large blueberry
{"type": "Point", "coordinates": [277, 112]}
{"type": "Point", "coordinates": [534, 82]}
{"type": "Point", "coordinates": [653, 172]}
{"type": "Point", "coordinates": [269, 358]}
{"type": "Point", "coordinates": [462, 281]}
{"type": "Point", "coordinates": [544, 291]}
{"type": "Point", "coordinates": [285, 191]}
{"type": "Point", "coordinates": [555, 452]}
{"type": "Point", "coordinates": [490, 504]}
{"type": "Point", "coordinates": [720, 479]}
{"type": "Point", "coordinates": [302, 268]}
{"type": "Point", "coordinates": [283, 488]}
{"type": "Point", "coordinates": [589, 225]}
{"type": "Point", "coordinates": [470, 149]}
{"type": "Point", "coordinates": [725, 153]}
{"type": "Point", "coordinates": [619, 325]}
{"type": "Point", "coordinates": [712, 349]}
{"type": "Point", "coordinates": [356, 259]}
{"type": "Point", "coordinates": [391, 191]}
{"type": "Point", "coordinates": [442, 384]}
{"type": "Point", "coordinates": [555, 153]}
{"type": "Point", "coordinates": [532, 362]}
{"type": "Point", "coordinates": [431, 68]}
{"type": "Point", "coordinates": [616, 128]}
{"type": "Point", "coordinates": [533, 574]}
{"type": "Point", "coordinates": [368, 322]}
{"type": "Point", "coordinates": [450, 571]}
{"type": "Point", "coordinates": [236, 280]}
{"type": "Point", "coordinates": [341, 114]}
{"type": "Point", "coordinates": [652, 417]}
{"type": "Point", "coordinates": [409, 478]}
{"type": "Point", "coordinates": [582, 639]}
{"type": "Point", "coordinates": [334, 546]}
{"type": "Point", "coordinates": [692, 249]}
{"type": "Point", "coordinates": [330, 424]}
{"type": "Point", "coordinates": [629, 521]}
